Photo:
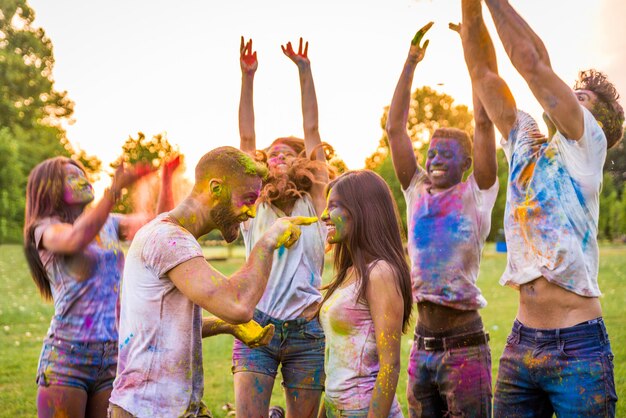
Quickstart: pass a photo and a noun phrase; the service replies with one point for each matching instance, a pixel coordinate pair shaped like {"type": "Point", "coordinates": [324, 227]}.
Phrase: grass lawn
{"type": "Point", "coordinates": [24, 319]}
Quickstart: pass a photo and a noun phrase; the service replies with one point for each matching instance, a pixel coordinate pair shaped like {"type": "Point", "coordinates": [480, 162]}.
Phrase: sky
{"type": "Point", "coordinates": [173, 67]}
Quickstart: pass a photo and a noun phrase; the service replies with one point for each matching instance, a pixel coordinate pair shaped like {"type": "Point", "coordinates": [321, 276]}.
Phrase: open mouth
{"type": "Point", "coordinates": [437, 172]}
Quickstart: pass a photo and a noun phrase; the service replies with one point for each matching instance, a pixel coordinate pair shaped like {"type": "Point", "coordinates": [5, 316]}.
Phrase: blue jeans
{"type": "Point", "coordinates": [452, 382]}
{"type": "Point", "coordinates": [298, 345]}
{"type": "Point", "coordinates": [567, 371]}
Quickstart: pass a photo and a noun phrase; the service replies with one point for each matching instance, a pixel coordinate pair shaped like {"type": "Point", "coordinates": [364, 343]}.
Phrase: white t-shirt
{"type": "Point", "coordinates": [446, 234]}
{"type": "Point", "coordinates": [159, 370]}
{"type": "Point", "coordinates": [552, 206]}
{"type": "Point", "coordinates": [296, 275]}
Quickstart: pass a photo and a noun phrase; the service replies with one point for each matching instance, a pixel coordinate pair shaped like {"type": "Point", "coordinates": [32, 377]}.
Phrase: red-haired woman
{"type": "Point", "coordinates": [76, 260]}
{"type": "Point", "coordinates": [368, 305]}
{"type": "Point", "coordinates": [297, 177]}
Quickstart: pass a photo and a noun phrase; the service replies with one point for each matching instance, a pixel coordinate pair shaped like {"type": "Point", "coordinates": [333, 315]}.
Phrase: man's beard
{"type": "Point", "coordinates": [226, 221]}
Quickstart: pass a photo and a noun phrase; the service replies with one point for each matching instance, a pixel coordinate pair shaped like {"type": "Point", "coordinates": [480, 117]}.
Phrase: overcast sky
{"type": "Point", "coordinates": [164, 66]}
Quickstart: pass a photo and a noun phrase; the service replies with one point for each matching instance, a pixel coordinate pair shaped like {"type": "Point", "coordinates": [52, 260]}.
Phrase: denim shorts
{"type": "Point", "coordinates": [297, 345]}
{"type": "Point", "coordinates": [87, 366]}
{"type": "Point", "coordinates": [567, 371]}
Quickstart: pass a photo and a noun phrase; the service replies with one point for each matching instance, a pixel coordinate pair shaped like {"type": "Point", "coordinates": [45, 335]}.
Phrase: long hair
{"type": "Point", "coordinates": [44, 198]}
{"type": "Point", "coordinates": [375, 234]}
{"type": "Point", "coordinates": [300, 175]}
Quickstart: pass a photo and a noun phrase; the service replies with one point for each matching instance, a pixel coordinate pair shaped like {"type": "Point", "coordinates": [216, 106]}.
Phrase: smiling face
{"type": "Point", "coordinates": [76, 188]}
{"type": "Point", "coordinates": [336, 218]}
{"type": "Point", "coordinates": [236, 207]}
{"type": "Point", "coordinates": [279, 156]}
{"type": "Point", "coordinates": [446, 162]}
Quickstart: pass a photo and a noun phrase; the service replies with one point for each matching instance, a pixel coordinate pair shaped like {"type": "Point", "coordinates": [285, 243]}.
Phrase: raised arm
{"type": "Point", "coordinates": [130, 224]}
{"type": "Point", "coordinates": [233, 299]}
{"type": "Point", "coordinates": [400, 143]}
{"type": "Point", "coordinates": [530, 57]}
{"type": "Point", "coordinates": [73, 238]}
{"type": "Point", "coordinates": [312, 139]}
{"type": "Point", "coordinates": [491, 90]}
{"type": "Point", "coordinates": [249, 64]}
{"type": "Point", "coordinates": [386, 307]}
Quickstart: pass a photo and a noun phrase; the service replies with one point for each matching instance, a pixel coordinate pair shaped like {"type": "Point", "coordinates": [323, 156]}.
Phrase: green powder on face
{"type": "Point", "coordinates": [252, 167]}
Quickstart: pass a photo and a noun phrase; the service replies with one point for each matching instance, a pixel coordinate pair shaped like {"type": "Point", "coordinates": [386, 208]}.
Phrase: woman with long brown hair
{"type": "Point", "coordinates": [367, 306]}
{"type": "Point", "coordinates": [76, 260]}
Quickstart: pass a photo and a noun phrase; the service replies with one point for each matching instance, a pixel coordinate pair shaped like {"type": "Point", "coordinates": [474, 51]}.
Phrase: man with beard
{"type": "Point", "coordinates": [167, 282]}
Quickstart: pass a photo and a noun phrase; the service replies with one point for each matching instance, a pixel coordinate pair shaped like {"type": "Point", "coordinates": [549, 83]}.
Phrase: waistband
{"type": "Point", "coordinates": [594, 327]}
{"type": "Point", "coordinates": [264, 319]}
{"type": "Point", "coordinates": [447, 343]}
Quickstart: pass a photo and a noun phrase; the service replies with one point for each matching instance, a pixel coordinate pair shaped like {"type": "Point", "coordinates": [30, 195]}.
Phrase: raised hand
{"type": "Point", "coordinates": [170, 165]}
{"type": "Point", "coordinates": [247, 58]}
{"type": "Point", "coordinates": [127, 175]}
{"type": "Point", "coordinates": [417, 51]}
{"type": "Point", "coordinates": [300, 58]}
{"type": "Point", "coordinates": [252, 334]}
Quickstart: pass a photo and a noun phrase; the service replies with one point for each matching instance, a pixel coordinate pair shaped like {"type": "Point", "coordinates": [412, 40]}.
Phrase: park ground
{"type": "Point", "coordinates": [24, 319]}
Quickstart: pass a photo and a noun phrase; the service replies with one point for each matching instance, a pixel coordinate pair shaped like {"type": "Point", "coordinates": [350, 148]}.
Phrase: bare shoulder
{"type": "Point", "coordinates": [381, 272]}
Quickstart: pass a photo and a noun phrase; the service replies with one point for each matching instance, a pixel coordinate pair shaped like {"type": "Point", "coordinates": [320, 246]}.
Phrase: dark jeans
{"type": "Point", "coordinates": [567, 371]}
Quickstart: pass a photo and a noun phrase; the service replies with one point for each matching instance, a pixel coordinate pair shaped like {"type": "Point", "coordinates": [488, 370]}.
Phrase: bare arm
{"type": "Point", "coordinates": [529, 56]}
{"type": "Point", "coordinates": [312, 139]}
{"type": "Point", "coordinates": [480, 56]}
{"type": "Point", "coordinates": [130, 224]}
{"type": "Point", "coordinates": [485, 161]}
{"type": "Point", "coordinates": [249, 64]}
{"type": "Point", "coordinates": [400, 143]}
{"type": "Point", "coordinates": [233, 299]}
{"type": "Point", "coordinates": [386, 307]}
{"type": "Point", "coordinates": [73, 238]}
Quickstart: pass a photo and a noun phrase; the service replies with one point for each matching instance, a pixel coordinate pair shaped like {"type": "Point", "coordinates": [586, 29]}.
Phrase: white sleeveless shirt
{"type": "Point", "coordinates": [296, 275]}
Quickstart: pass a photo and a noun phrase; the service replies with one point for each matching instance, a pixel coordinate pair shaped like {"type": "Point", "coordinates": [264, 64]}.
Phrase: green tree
{"type": "Point", "coordinates": [154, 151]}
{"type": "Point", "coordinates": [429, 110]}
{"type": "Point", "coordinates": [615, 164]}
{"type": "Point", "coordinates": [32, 111]}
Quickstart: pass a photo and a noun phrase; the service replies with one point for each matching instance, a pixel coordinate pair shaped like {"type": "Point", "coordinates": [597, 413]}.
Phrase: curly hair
{"type": "Point", "coordinates": [300, 175]}
{"type": "Point", "coordinates": [607, 111]}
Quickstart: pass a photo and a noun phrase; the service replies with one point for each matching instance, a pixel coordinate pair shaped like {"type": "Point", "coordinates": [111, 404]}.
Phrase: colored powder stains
{"type": "Point", "coordinates": [126, 341]}
{"type": "Point", "coordinates": [258, 387]}
{"type": "Point", "coordinates": [438, 234]}
{"type": "Point", "coordinates": [281, 250]}
{"type": "Point", "coordinates": [88, 322]}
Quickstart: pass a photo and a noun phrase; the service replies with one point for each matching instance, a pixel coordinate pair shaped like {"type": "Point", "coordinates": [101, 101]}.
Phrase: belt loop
{"type": "Point", "coordinates": [559, 342]}
{"type": "Point", "coordinates": [517, 329]}
{"type": "Point", "coordinates": [604, 336]}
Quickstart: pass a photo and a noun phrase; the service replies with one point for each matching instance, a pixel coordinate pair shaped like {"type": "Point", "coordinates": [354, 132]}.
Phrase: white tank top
{"type": "Point", "coordinates": [296, 275]}
{"type": "Point", "coordinates": [351, 353]}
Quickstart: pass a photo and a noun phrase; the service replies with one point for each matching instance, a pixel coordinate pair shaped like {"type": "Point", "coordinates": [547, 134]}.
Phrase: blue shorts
{"type": "Point", "coordinates": [298, 345]}
{"type": "Point", "coordinates": [567, 371]}
{"type": "Point", "coordinates": [87, 366]}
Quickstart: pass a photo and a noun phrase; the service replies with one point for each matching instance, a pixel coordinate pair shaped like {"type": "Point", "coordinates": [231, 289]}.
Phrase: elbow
{"type": "Point", "coordinates": [311, 128]}
{"type": "Point", "coordinates": [239, 314]}
{"type": "Point", "coordinates": [527, 61]}
{"type": "Point", "coordinates": [393, 130]}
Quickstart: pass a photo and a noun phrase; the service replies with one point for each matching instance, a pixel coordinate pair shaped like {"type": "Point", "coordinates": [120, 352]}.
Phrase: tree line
{"type": "Point", "coordinates": [33, 114]}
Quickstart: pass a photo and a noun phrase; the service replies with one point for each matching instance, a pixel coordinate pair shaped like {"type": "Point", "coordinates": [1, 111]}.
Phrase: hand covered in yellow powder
{"type": "Point", "coordinates": [288, 229]}
{"type": "Point", "coordinates": [252, 334]}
